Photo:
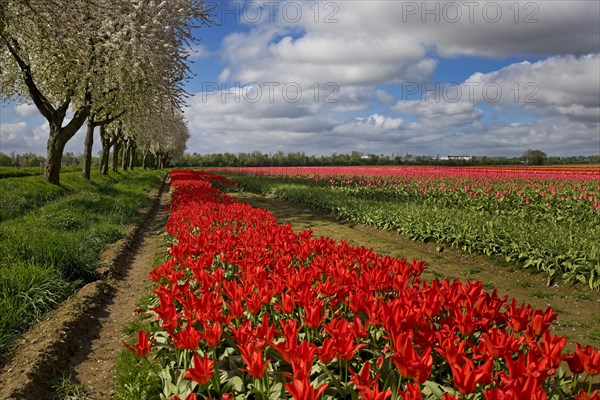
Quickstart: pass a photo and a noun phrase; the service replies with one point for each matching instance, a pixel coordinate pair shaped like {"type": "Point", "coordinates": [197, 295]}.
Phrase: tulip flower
{"type": "Point", "coordinates": [212, 334]}
{"type": "Point", "coordinates": [590, 358]}
{"type": "Point", "coordinates": [465, 378]}
{"type": "Point", "coordinates": [143, 345]}
{"type": "Point", "coordinates": [202, 369]}
{"type": "Point", "coordinates": [253, 357]}
{"type": "Point", "coordinates": [412, 392]}
{"type": "Point", "coordinates": [302, 390]}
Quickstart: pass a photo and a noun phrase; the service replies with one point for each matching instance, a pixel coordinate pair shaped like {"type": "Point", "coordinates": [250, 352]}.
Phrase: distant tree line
{"type": "Point", "coordinates": [259, 159]}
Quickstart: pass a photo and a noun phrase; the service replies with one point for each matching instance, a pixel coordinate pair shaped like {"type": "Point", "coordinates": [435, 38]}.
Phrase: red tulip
{"type": "Point", "coordinates": [253, 358]}
{"type": "Point", "coordinates": [188, 338]}
{"type": "Point", "coordinates": [374, 394]}
{"type": "Point", "coordinates": [590, 358]}
{"type": "Point", "coordinates": [191, 396]}
{"type": "Point", "coordinates": [412, 392]}
{"type": "Point", "coordinates": [143, 345]}
{"type": "Point", "coordinates": [500, 394]}
{"type": "Point", "coordinates": [327, 352]}
{"type": "Point", "coordinates": [202, 369]}
{"type": "Point", "coordinates": [465, 378]}
{"type": "Point", "coordinates": [409, 363]}
{"type": "Point", "coordinates": [364, 380]}
{"type": "Point", "coordinates": [540, 321]}
{"type": "Point", "coordinates": [574, 362]}
{"type": "Point", "coordinates": [212, 334]}
{"type": "Point", "coordinates": [302, 390]}
{"type": "Point", "coordinates": [583, 395]}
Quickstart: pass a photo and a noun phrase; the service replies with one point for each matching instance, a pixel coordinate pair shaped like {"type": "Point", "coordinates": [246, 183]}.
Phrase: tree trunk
{"type": "Point", "coordinates": [87, 150]}
{"type": "Point", "coordinates": [115, 160]}
{"type": "Point", "coordinates": [125, 159]}
{"type": "Point", "coordinates": [132, 156]}
{"type": "Point", "coordinates": [144, 157]}
{"type": "Point", "coordinates": [104, 159]}
{"type": "Point", "coordinates": [55, 149]}
{"type": "Point", "coordinates": [106, 145]}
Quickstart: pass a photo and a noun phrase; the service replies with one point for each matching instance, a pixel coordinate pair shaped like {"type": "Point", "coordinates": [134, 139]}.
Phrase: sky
{"type": "Point", "coordinates": [484, 78]}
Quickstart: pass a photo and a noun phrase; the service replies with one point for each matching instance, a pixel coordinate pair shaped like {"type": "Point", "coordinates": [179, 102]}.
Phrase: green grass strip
{"type": "Point", "coordinates": [51, 248]}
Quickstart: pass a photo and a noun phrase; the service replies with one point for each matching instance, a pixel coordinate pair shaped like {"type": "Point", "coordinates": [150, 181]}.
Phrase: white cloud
{"type": "Point", "coordinates": [381, 121]}
{"type": "Point", "coordinates": [385, 97]}
{"type": "Point", "coordinates": [433, 125]}
{"type": "Point", "coordinates": [431, 128]}
{"type": "Point", "coordinates": [554, 135]}
{"type": "Point", "coordinates": [377, 42]}
{"type": "Point", "coordinates": [224, 75]}
{"type": "Point", "coordinates": [492, 28]}
{"type": "Point", "coordinates": [26, 110]}
{"type": "Point", "coordinates": [382, 42]}
{"type": "Point", "coordinates": [22, 138]}
{"type": "Point", "coordinates": [557, 85]}
{"type": "Point", "coordinates": [198, 51]}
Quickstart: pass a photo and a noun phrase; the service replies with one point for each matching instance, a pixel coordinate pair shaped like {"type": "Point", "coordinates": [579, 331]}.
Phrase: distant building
{"type": "Point", "coordinates": [466, 158]}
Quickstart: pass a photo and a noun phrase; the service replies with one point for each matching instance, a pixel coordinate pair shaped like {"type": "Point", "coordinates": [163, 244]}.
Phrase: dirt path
{"type": "Point", "coordinates": [82, 337]}
{"type": "Point", "coordinates": [578, 307]}
{"type": "Point", "coordinates": [93, 363]}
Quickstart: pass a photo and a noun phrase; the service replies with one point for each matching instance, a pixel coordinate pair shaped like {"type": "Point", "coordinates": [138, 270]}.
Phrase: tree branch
{"type": "Point", "coordinates": [62, 110]}
{"type": "Point", "coordinates": [40, 101]}
{"type": "Point", "coordinates": [79, 118]}
{"type": "Point", "coordinates": [108, 120]}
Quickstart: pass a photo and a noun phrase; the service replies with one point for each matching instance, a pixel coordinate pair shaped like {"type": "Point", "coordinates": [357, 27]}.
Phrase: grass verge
{"type": "Point", "coordinates": [50, 248]}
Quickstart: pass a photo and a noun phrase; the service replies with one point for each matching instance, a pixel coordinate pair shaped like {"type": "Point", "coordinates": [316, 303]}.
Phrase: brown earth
{"type": "Point", "coordinates": [578, 306]}
{"type": "Point", "coordinates": [81, 338]}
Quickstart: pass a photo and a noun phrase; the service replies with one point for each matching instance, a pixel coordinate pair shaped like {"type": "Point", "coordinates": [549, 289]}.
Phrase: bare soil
{"type": "Point", "coordinates": [578, 306]}
{"type": "Point", "coordinates": [82, 337]}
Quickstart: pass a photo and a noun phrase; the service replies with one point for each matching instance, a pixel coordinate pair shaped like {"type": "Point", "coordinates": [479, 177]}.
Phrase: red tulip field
{"type": "Point", "coordinates": [246, 308]}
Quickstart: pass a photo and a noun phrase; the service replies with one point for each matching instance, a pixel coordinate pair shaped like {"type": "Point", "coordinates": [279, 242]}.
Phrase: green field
{"type": "Point", "coordinates": [12, 172]}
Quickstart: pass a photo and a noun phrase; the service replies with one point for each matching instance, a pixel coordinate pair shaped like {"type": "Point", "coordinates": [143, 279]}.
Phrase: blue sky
{"type": "Point", "coordinates": [437, 77]}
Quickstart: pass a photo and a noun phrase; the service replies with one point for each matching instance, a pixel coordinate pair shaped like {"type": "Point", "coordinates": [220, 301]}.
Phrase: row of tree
{"type": "Point", "coordinates": [120, 159]}
{"type": "Point", "coordinates": [118, 65]}
{"type": "Point", "coordinates": [258, 159]}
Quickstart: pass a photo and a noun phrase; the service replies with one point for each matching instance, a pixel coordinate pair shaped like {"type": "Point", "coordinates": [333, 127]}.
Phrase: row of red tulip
{"type": "Point", "coordinates": [247, 307]}
{"type": "Point", "coordinates": [591, 172]}
{"type": "Point", "coordinates": [554, 187]}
